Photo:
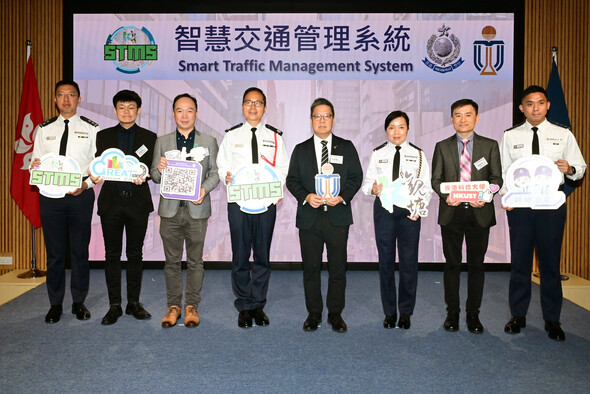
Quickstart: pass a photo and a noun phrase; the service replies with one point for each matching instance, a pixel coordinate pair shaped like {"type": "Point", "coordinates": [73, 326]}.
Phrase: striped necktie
{"type": "Point", "coordinates": [465, 163]}
{"type": "Point", "coordinates": [324, 152]}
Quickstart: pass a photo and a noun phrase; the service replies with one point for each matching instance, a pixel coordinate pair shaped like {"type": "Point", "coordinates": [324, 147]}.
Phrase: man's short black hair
{"type": "Point", "coordinates": [126, 96]}
{"type": "Point", "coordinates": [67, 82]}
{"type": "Point", "coordinates": [533, 89]}
{"type": "Point", "coordinates": [187, 96]}
{"type": "Point", "coordinates": [396, 114]}
{"type": "Point", "coordinates": [462, 103]}
{"type": "Point", "coordinates": [321, 101]}
{"type": "Point", "coordinates": [254, 89]}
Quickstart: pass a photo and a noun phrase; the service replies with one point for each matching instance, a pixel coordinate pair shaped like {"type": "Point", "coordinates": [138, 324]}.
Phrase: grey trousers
{"type": "Point", "coordinates": [175, 232]}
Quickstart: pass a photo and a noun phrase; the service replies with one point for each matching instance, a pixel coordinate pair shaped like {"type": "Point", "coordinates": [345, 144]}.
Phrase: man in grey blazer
{"type": "Point", "coordinates": [184, 221]}
{"type": "Point", "coordinates": [480, 157]}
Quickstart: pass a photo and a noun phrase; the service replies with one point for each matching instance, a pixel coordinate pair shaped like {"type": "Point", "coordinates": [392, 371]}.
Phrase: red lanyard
{"type": "Point", "coordinates": [274, 159]}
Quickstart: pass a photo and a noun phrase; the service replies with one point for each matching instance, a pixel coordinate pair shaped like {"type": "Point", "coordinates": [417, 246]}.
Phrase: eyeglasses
{"type": "Point", "coordinates": [249, 103]}
{"type": "Point", "coordinates": [63, 95]}
{"type": "Point", "coordinates": [318, 117]}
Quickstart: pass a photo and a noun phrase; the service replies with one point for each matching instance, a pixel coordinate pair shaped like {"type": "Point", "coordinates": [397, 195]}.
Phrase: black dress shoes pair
{"type": "Point", "coordinates": [245, 319]}
{"type": "Point", "coordinates": [259, 316]}
{"type": "Point", "coordinates": [80, 310]}
{"type": "Point", "coordinates": [554, 330]}
{"type": "Point", "coordinates": [473, 324]}
{"type": "Point", "coordinates": [404, 321]}
{"type": "Point", "coordinates": [114, 313]}
{"type": "Point", "coordinates": [515, 324]}
{"type": "Point", "coordinates": [389, 321]}
{"type": "Point", "coordinates": [337, 323]}
{"type": "Point", "coordinates": [54, 314]}
{"type": "Point", "coordinates": [451, 323]}
{"type": "Point", "coordinates": [136, 310]}
{"type": "Point", "coordinates": [312, 322]}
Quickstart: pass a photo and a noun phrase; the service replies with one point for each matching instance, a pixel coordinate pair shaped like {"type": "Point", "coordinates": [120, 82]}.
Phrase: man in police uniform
{"type": "Point", "coordinates": [246, 143]}
{"type": "Point", "coordinates": [184, 222]}
{"type": "Point", "coordinates": [125, 206]}
{"type": "Point", "coordinates": [540, 229]}
{"type": "Point", "coordinates": [401, 228]}
{"type": "Point", "coordinates": [70, 216]}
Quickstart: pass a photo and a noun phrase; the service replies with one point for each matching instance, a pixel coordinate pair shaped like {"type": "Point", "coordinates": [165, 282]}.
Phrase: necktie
{"type": "Point", "coordinates": [254, 146]}
{"type": "Point", "coordinates": [396, 159]}
{"type": "Point", "coordinates": [324, 153]}
{"type": "Point", "coordinates": [465, 163]}
{"type": "Point", "coordinates": [535, 141]}
{"type": "Point", "coordinates": [64, 140]}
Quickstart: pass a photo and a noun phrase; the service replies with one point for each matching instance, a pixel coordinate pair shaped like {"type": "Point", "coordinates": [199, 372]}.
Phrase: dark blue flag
{"type": "Point", "coordinates": [558, 113]}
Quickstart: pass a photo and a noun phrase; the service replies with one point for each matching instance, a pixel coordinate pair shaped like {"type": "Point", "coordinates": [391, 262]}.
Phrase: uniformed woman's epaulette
{"type": "Point", "coordinates": [272, 128]}
{"type": "Point", "coordinates": [92, 123]}
{"type": "Point", "coordinates": [234, 127]}
{"type": "Point", "coordinates": [414, 146]}
{"type": "Point", "coordinates": [49, 121]}
{"type": "Point", "coordinates": [560, 125]}
{"type": "Point", "coordinates": [513, 127]}
{"type": "Point", "coordinates": [380, 146]}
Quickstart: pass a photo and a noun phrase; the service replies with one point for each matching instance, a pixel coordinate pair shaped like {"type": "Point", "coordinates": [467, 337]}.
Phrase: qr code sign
{"type": "Point", "coordinates": [180, 181]}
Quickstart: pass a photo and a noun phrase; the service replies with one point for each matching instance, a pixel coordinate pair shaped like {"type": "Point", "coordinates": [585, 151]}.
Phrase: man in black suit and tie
{"type": "Point", "coordinates": [126, 206]}
{"type": "Point", "coordinates": [465, 156]}
{"type": "Point", "coordinates": [324, 221]}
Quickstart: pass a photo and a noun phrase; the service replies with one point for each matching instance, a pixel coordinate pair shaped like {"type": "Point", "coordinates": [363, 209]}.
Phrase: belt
{"type": "Point", "coordinates": [465, 205]}
{"type": "Point", "coordinates": [125, 193]}
{"type": "Point", "coordinates": [182, 203]}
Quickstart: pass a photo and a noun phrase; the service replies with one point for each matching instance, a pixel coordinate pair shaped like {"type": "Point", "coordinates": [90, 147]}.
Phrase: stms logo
{"type": "Point", "coordinates": [130, 49]}
{"type": "Point", "coordinates": [443, 49]}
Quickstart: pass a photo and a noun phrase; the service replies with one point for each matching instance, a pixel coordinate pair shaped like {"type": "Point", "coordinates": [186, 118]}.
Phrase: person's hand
{"type": "Point", "coordinates": [140, 180]}
{"type": "Point", "coordinates": [228, 178]}
{"type": "Point", "coordinates": [35, 163]}
{"type": "Point", "coordinates": [451, 202]}
{"type": "Point", "coordinates": [79, 190]}
{"type": "Point", "coordinates": [376, 189]}
{"type": "Point", "coordinates": [95, 179]}
{"type": "Point", "coordinates": [314, 200]}
{"type": "Point", "coordinates": [333, 201]}
{"type": "Point", "coordinates": [477, 204]}
{"type": "Point", "coordinates": [564, 166]}
{"type": "Point", "coordinates": [201, 197]}
{"type": "Point", "coordinates": [162, 164]}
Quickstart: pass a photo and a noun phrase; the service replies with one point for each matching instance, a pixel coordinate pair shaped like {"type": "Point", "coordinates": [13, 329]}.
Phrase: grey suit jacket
{"type": "Point", "coordinates": [209, 176]}
{"type": "Point", "coordinates": [446, 168]}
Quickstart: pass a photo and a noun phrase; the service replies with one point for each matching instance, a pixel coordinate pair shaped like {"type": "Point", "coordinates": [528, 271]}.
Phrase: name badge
{"type": "Point", "coordinates": [481, 163]}
{"type": "Point", "coordinates": [336, 159]}
{"type": "Point", "coordinates": [384, 161]}
{"type": "Point", "coordinates": [51, 138]}
{"type": "Point", "coordinates": [239, 145]}
{"type": "Point", "coordinates": [141, 151]}
{"type": "Point", "coordinates": [518, 146]}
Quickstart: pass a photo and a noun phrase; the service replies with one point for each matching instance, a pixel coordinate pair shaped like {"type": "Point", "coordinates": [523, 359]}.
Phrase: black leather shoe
{"type": "Point", "coordinates": [136, 310]}
{"type": "Point", "coordinates": [404, 321]}
{"type": "Point", "coordinates": [554, 330]}
{"type": "Point", "coordinates": [260, 317]}
{"type": "Point", "coordinates": [515, 324]}
{"type": "Point", "coordinates": [473, 323]}
{"type": "Point", "coordinates": [54, 314]}
{"type": "Point", "coordinates": [389, 321]}
{"type": "Point", "coordinates": [115, 311]}
{"type": "Point", "coordinates": [244, 319]}
{"type": "Point", "coordinates": [312, 322]}
{"type": "Point", "coordinates": [452, 321]}
{"type": "Point", "coordinates": [337, 323]}
{"type": "Point", "coordinates": [80, 310]}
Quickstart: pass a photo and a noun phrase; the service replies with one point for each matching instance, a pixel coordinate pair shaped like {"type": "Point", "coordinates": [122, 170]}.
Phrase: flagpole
{"type": "Point", "coordinates": [33, 272]}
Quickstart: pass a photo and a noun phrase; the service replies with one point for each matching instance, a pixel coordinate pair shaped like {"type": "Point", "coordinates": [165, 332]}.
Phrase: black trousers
{"type": "Point", "coordinates": [250, 233]}
{"type": "Point", "coordinates": [69, 216]}
{"type": "Point", "coordinates": [464, 225]}
{"type": "Point", "coordinates": [122, 216]}
{"type": "Point", "coordinates": [312, 242]}
{"type": "Point", "coordinates": [541, 230]}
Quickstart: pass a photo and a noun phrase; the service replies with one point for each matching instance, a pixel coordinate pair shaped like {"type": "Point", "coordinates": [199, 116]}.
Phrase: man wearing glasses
{"type": "Point", "coordinates": [251, 142]}
{"type": "Point", "coordinates": [324, 220]}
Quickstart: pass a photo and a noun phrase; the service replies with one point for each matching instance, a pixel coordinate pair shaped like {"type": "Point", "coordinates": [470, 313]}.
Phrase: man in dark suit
{"type": "Point", "coordinates": [324, 221]}
{"type": "Point", "coordinates": [126, 206]}
{"type": "Point", "coordinates": [480, 158]}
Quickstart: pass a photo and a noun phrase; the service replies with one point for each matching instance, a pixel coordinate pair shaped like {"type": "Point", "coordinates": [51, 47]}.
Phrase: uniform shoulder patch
{"type": "Point", "coordinates": [414, 146]}
{"type": "Point", "coordinates": [380, 146]}
{"type": "Point", "coordinates": [272, 128]}
{"type": "Point", "coordinates": [90, 121]}
{"type": "Point", "coordinates": [234, 127]}
{"type": "Point", "coordinates": [513, 127]}
{"type": "Point", "coordinates": [49, 121]}
{"type": "Point", "coordinates": [560, 125]}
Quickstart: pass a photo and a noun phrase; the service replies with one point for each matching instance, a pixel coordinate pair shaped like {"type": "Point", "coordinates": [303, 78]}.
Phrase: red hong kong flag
{"type": "Point", "coordinates": [29, 116]}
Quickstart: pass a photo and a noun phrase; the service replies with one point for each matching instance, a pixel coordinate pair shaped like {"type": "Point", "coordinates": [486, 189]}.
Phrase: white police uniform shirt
{"type": "Point", "coordinates": [81, 144]}
{"type": "Point", "coordinates": [555, 142]}
{"type": "Point", "coordinates": [381, 164]}
{"type": "Point", "coordinates": [235, 150]}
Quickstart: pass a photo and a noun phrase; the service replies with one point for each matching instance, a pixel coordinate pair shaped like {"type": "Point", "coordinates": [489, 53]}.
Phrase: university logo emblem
{"type": "Point", "coordinates": [443, 50]}
{"type": "Point", "coordinates": [492, 61]}
{"type": "Point", "coordinates": [130, 49]}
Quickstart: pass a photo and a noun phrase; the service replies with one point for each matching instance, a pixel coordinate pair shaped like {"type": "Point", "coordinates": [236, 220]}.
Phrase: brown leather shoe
{"type": "Point", "coordinates": [171, 316]}
{"type": "Point", "coordinates": [191, 317]}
